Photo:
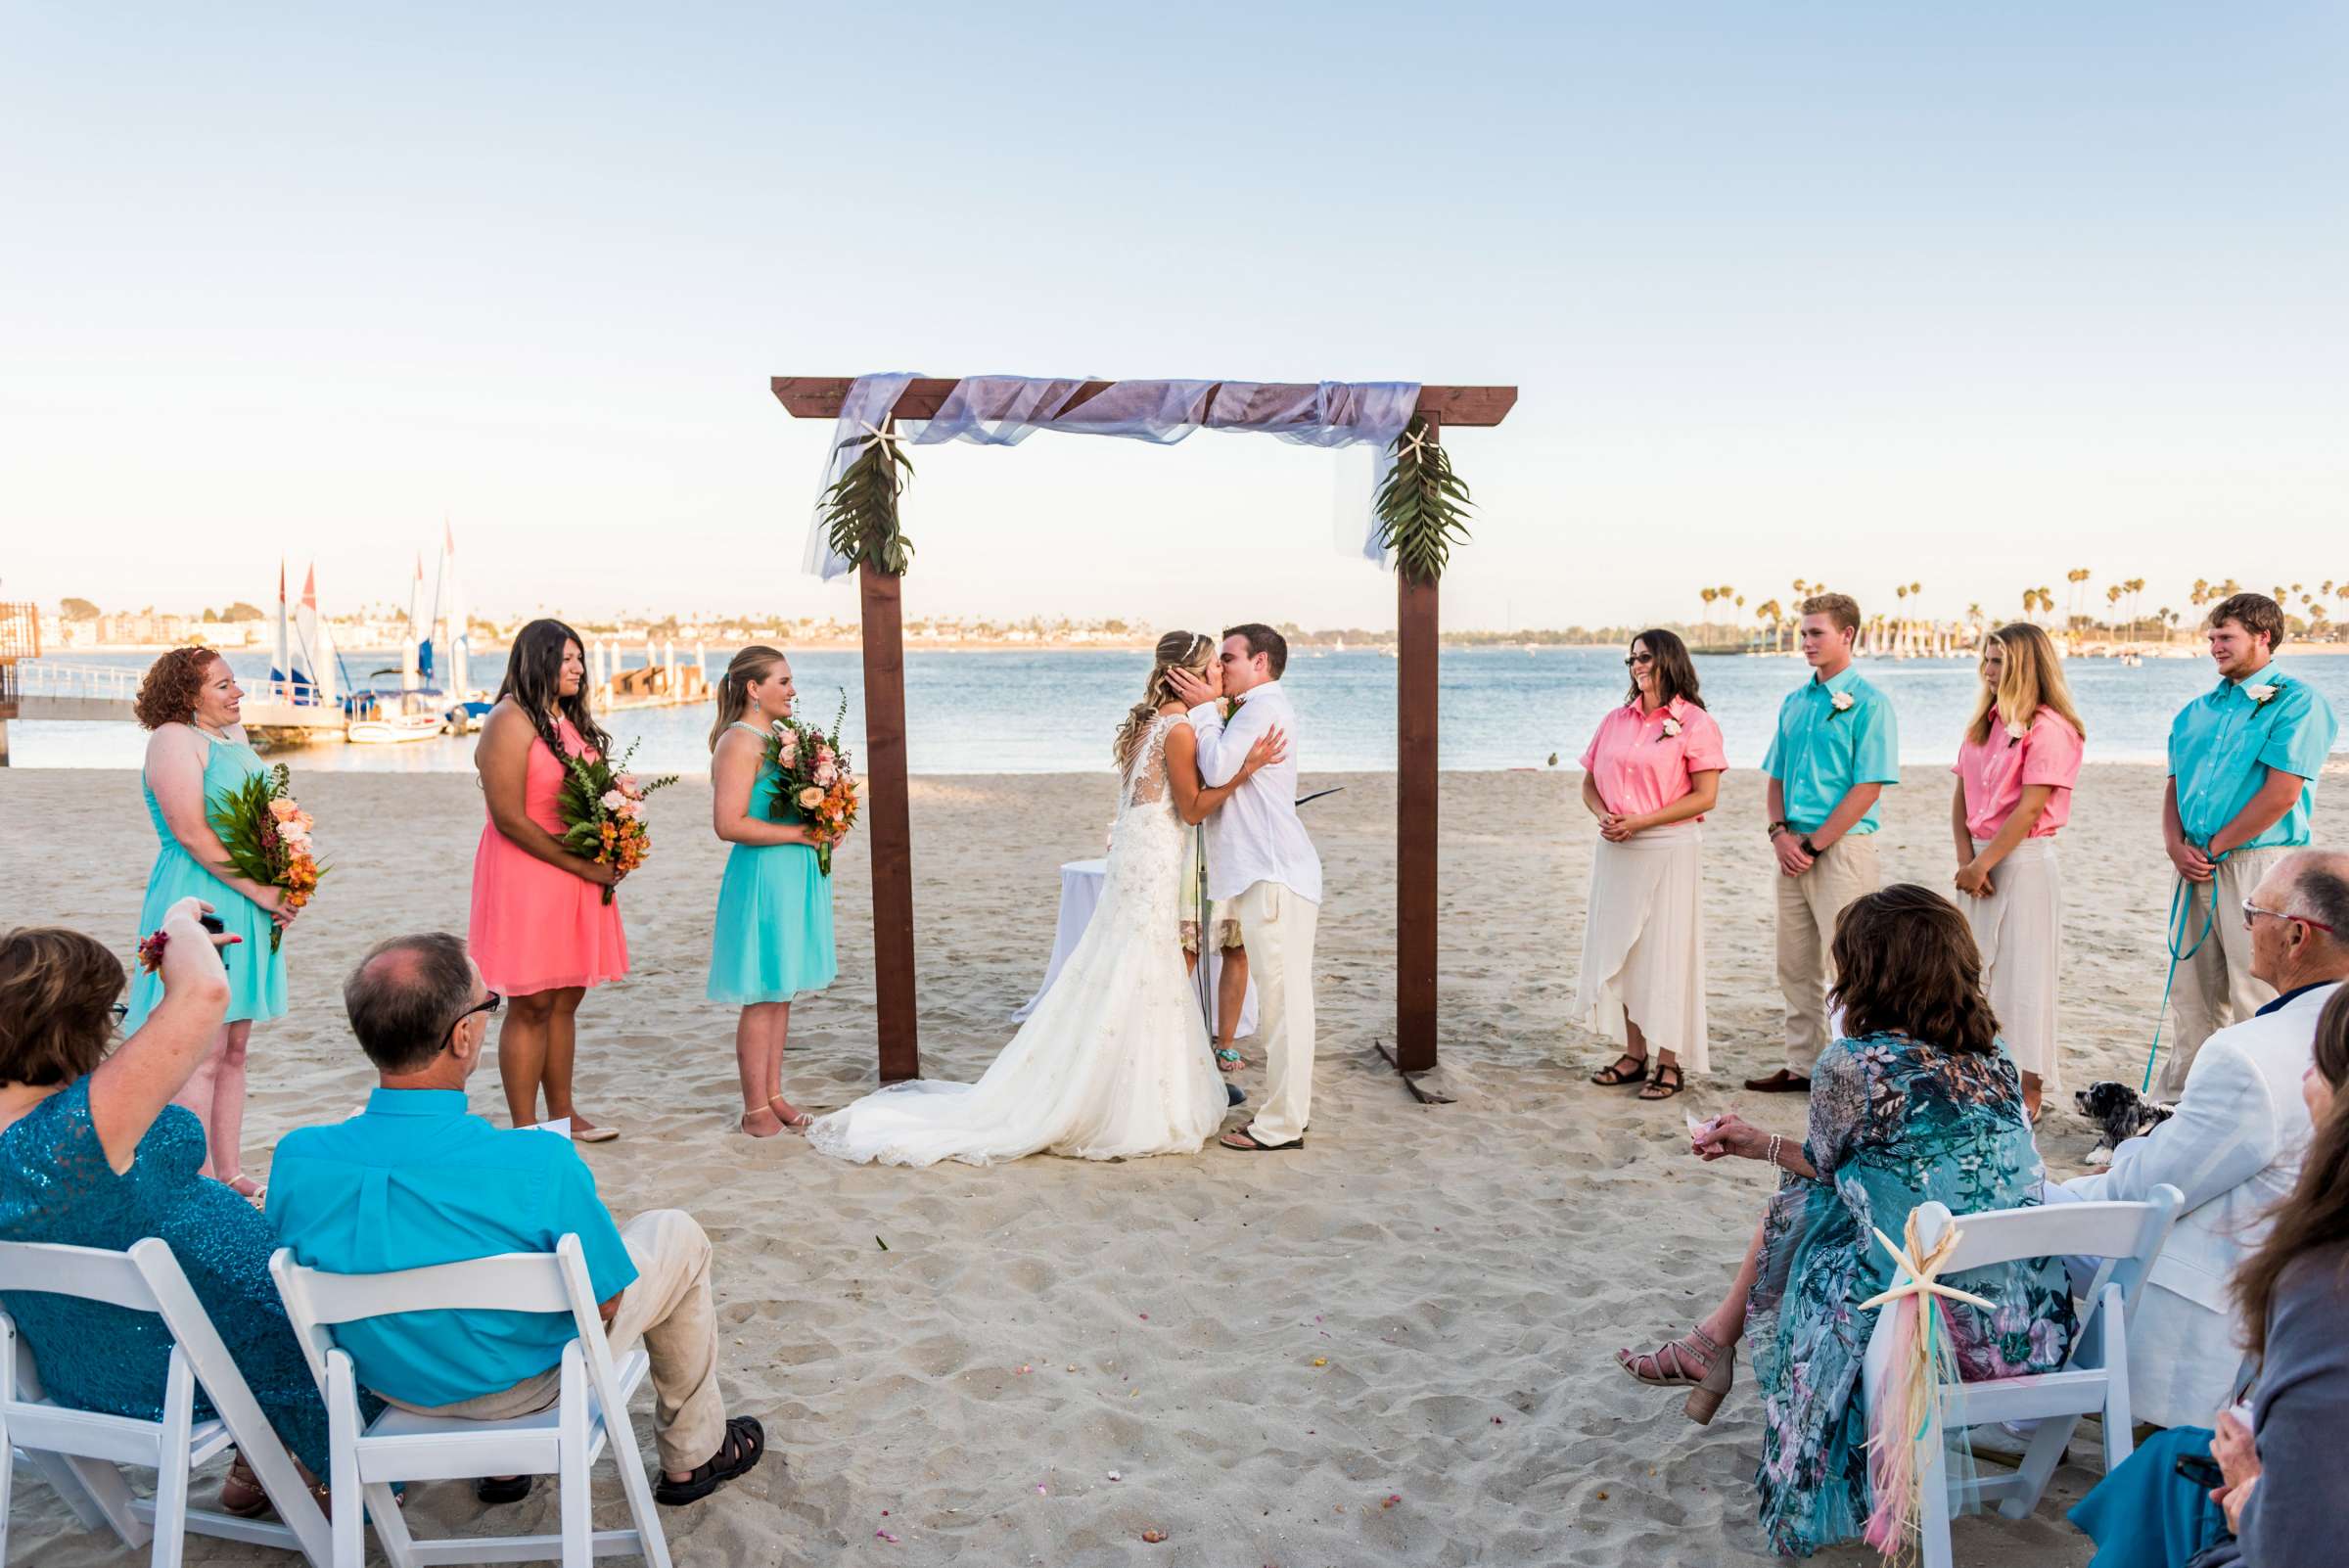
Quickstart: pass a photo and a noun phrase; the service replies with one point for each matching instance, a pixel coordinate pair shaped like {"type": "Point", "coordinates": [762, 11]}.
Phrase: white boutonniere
{"type": "Point", "coordinates": [2260, 693]}
{"type": "Point", "coordinates": [1672, 725]}
{"type": "Point", "coordinates": [2015, 732]}
{"type": "Point", "coordinates": [1842, 702]}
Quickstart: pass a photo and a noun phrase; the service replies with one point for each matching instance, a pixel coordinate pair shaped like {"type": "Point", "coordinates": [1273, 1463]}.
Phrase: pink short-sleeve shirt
{"type": "Point", "coordinates": [1643, 763]}
{"type": "Point", "coordinates": [1995, 773]}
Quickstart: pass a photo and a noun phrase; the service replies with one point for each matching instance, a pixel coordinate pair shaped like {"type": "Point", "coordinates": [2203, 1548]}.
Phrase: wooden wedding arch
{"type": "Point", "coordinates": [888, 820]}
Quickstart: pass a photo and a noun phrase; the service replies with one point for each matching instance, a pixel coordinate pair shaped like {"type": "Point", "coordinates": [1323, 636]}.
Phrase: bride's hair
{"type": "Point", "coordinates": [1176, 650]}
{"type": "Point", "coordinates": [754, 664]}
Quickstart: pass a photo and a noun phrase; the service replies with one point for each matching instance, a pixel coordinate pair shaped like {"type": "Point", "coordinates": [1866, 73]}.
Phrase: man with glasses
{"type": "Point", "coordinates": [2244, 758]}
{"type": "Point", "coordinates": [1835, 749]}
{"type": "Point", "coordinates": [2234, 1144]}
{"type": "Point", "coordinates": [415, 1180]}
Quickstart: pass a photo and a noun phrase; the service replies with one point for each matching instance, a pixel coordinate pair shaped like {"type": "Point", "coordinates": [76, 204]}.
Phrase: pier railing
{"type": "Point", "coordinates": [63, 678]}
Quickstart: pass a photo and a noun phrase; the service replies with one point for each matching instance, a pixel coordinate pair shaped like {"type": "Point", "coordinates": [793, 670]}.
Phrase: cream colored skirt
{"type": "Point", "coordinates": [2019, 929]}
{"type": "Point", "coordinates": [1643, 943]}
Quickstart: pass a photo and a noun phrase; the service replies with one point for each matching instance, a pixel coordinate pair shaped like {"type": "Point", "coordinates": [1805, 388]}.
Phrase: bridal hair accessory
{"type": "Point", "coordinates": [1906, 1416]}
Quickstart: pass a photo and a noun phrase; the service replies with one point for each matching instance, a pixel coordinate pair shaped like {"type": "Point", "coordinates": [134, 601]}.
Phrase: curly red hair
{"type": "Point", "coordinates": [168, 694]}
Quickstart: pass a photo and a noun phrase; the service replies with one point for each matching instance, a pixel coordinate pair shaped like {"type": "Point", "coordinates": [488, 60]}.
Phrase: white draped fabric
{"type": "Point", "coordinates": [1005, 410]}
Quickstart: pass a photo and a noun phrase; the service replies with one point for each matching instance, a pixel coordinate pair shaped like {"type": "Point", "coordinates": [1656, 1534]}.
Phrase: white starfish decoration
{"type": "Point", "coordinates": [1413, 442]}
{"type": "Point", "coordinates": [1915, 1275]}
{"type": "Point", "coordinates": [875, 436]}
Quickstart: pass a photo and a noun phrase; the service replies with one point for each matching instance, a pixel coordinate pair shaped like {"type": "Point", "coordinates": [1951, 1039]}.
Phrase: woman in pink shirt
{"type": "Point", "coordinates": [1649, 775]}
{"type": "Point", "coordinates": [2016, 773]}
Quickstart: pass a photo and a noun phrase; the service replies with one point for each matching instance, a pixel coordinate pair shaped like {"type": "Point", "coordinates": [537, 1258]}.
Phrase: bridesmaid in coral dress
{"type": "Point", "coordinates": [541, 932]}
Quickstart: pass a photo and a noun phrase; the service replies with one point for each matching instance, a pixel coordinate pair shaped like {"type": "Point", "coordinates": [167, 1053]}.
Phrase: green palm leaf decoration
{"type": "Point", "coordinates": [860, 509]}
{"type": "Point", "coordinates": [1422, 508]}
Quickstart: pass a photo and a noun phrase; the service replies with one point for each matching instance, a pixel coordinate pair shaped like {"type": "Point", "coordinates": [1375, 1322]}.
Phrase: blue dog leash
{"type": "Point", "coordinates": [2177, 930]}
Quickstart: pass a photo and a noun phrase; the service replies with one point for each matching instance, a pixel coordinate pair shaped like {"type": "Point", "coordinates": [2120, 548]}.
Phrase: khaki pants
{"type": "Point", "coordinates": [1277, 928]}
{"type": "Point", "coordinates": [2215, 988]}
{"type": "Point", "coordinates": [667, 1307]}
{"type": "Point", "coordinates": [1809, 907]}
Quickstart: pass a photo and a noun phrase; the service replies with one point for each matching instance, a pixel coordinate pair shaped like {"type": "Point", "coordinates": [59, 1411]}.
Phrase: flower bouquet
{"type": "Point", "coordinates": [817, 786]}
{"type": "Point", "coordinates": [602, 808]}
{"type": "Point", "coordinates": [267, 837]}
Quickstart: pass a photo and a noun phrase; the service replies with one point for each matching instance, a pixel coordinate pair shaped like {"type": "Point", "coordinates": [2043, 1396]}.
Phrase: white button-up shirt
{"type": "Point", "coordinates": [1256, 836]}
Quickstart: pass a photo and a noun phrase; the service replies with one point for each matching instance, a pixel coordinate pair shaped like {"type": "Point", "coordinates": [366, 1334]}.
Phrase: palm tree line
{"type": "Point", "coordinates": [1907, 630]}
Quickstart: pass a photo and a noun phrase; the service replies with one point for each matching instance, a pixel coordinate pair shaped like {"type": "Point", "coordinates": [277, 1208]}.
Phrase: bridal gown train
{"type": "Point", "coordinates": [1114, 1063]}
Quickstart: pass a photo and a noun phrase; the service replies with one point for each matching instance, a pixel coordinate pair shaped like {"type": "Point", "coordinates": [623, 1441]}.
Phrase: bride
{"type": "Point", "coordinates": [1114, 1063]}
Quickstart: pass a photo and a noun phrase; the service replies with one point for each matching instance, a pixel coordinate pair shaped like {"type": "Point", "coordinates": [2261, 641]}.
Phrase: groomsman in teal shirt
{"type": "Point", "coordinates": [2244, 758]}
{"type": "Point", "coordinates": [1835, 749]}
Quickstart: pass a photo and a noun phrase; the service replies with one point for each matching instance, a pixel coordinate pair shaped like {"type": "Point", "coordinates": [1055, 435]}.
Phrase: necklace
{"type": "Point", "coordinates": [199, 727]}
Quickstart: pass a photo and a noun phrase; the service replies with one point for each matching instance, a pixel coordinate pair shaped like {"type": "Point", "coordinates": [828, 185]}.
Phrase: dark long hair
{"type": "Point", "coordinates": [1675, 671]}
{"type": "Point", "coordinates": [534, 677]}
{"type": "Point", "coordinates": [1905, 963]}
{"type": "Point", "coordinates": [2317, 1214]}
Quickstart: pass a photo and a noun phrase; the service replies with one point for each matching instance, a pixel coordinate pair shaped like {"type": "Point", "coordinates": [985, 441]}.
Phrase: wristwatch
{"type": "Point", "coordinates": [1806, 846]}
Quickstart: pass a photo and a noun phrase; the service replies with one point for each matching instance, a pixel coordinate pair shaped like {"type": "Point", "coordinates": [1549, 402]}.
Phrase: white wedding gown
{"type": "Point", "coordinates": [1113, 1064]}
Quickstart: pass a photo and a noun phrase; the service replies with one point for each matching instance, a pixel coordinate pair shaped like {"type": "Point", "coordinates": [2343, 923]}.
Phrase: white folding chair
{"type": "Point", "coordinates": [2125, 1238]}
{"type": "Point", "coordinates": [562, 1441]}
{"type": "Point", "coordinates": [77, 1452]}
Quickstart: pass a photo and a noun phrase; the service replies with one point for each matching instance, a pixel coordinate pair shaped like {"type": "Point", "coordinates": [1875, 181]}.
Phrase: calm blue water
{"type": "Point", "coordinates": [1016, 712]}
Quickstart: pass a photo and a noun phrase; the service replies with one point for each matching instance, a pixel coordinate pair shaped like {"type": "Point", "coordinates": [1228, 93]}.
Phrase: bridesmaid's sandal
{"type": "Point", "coordinates": [744, 1126]}
{"type": "Point", "coordinates": [1614, 1076]}
{"type": "Point", "coordinates": [797, 1121]}
{"type": "Point", "coordinates": [1692, 1361]}
{"type": "Point", "coordinates": [1229, 1061]}
{"type": "Point", "coordinates": [244, 1187]}
{"type": "Point", "coordinates": [583, 1131]}
{"type": "Point", "coordinates": [1659, 1090]}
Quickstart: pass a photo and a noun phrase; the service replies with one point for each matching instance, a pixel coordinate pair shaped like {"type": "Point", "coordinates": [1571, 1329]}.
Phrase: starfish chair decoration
{"type": "Point", "coordinates": [1905, 1414]}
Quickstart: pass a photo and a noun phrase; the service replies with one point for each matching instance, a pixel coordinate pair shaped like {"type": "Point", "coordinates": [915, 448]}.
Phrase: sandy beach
{"type": "Point", "coordinates": [1392, 1348]}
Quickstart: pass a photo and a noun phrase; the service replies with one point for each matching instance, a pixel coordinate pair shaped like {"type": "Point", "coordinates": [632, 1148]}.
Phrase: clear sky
{"type": "Point", "coordinates": [1962, 295]}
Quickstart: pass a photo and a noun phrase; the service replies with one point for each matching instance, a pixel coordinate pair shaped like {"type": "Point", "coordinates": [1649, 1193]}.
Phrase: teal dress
{"type": "Point", "coordinates": [56, 1187]}
{"type": "Point", "coordinates": [772, 940]}
{"type": "Point", "coordinates": [257, 977]}
{"type": "Point", "coordinates": [1894, 1124]}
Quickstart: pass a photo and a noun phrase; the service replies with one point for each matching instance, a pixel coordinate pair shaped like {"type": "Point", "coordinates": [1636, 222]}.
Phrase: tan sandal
{"type": "Point", "coordinates": [1692, 1361]}
{"type": "Point", "coordinates": [796, 1121]}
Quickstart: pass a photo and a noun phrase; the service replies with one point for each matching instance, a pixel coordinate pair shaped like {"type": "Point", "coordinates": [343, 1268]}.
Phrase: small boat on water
{"type": "Point", "coordinates": [392, 729]}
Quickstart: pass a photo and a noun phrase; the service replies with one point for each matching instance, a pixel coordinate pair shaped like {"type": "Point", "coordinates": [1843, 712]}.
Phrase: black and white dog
{"type": "Point", "coordinates": [2118, 1113]}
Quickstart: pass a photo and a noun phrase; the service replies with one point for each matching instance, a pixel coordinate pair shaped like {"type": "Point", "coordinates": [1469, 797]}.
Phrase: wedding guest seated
{"type": "Point", "coordinates": [2233, 1145]}
{"type": "Point", "coordinates": [2278, 1483]}
{"type": "Point", "coordinates": [94, 1154]}
{"type": "Point", "coordinates": [415, 1181]}
{"type": "Point", "coordinates": [1919, 1103]}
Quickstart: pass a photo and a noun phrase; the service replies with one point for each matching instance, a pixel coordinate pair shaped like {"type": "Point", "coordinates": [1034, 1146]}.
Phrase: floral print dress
{"type": "Point", "coordinates": [1894, 1122]}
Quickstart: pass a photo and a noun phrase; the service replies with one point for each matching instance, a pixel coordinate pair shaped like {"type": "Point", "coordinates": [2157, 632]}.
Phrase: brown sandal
{"type": "Point", "coordinates": [1693, 1362]}
{"type": "Point", "coordinates": [1657, 1090]}
{"type": "Point", "coordinates": [1613, 1076]}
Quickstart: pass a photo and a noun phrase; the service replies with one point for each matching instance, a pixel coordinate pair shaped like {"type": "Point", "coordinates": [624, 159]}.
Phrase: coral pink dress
{"type": "Point", "coordinates": [536, 927]}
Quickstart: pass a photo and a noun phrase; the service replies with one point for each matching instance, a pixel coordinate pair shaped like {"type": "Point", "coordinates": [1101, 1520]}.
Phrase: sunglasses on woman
{"type": "Point", "coordinates": [1639, 659]}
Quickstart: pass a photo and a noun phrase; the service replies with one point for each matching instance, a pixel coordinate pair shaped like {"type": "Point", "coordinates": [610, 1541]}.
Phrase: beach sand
{"type": "Point", "coordinates": [1394, 1347]}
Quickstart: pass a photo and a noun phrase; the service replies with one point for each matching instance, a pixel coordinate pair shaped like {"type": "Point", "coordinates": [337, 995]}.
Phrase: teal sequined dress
{"type": "Point", "coordinates": [257, 977]}
{"type": "Point", "coordinates": [56, 1187]}
{"type": "Point", "coordinates": [1894, 1124]}
{"type": "Point", "coordinates": [772, 938]}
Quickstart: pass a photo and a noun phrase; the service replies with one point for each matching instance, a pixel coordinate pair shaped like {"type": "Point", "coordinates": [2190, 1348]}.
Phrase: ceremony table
{"type": "Point", "coordinates": [1079, 894]}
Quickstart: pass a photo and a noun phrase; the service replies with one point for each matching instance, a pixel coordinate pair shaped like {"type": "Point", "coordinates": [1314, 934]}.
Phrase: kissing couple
{"type": "Point", "coordinates": [1115, 1062]}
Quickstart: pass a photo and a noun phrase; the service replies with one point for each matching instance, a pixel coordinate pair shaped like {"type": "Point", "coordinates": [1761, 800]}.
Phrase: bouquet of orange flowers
{"type": "Point", "coordinates": [817, 786]}
{"type": "Point", "coordinates": [602, 808]}
{"type": "Point", "coordinates": [267, 836]}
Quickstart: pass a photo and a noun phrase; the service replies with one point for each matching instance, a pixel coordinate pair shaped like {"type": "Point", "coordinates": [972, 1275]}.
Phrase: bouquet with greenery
{"type": "Point", "coordinates": [267, 836]}
{"type": "Point", "coordinates": [602, 808]}
{"type": "Point", "coordinates": [817, 786]}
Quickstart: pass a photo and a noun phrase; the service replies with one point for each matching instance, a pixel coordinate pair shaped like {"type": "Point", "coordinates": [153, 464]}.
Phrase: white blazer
{"type": "Point", "coordinates": [2233, 1148]}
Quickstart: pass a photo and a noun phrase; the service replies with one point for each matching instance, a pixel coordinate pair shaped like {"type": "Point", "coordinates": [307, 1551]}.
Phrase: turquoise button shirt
{"type": "Point", "coordinates": [1821, 751]}
{"type": "Point", "coordinates": [416, 1181]}
{"type": "Point", "coordinates": [2223, 743]}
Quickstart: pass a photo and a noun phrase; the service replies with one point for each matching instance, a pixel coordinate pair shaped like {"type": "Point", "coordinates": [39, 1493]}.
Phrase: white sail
{"type": "Point", "coordinates": [281, 653]}
{"type": "Point", "coordinates": [460, 638]}
{"type": "Point", "coordinates": [313, 651]}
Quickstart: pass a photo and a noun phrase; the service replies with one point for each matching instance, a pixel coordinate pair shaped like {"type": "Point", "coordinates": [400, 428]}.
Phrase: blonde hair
{"type": "Point", "coordinates": [1176, 650]}
{"type": "Point", "coordinates": [2030, 679]}
{"type": "Point", "coordinates": [754, 664]}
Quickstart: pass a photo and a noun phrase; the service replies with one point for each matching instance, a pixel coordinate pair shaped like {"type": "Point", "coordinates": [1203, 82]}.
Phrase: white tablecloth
{"type": "Point", "coordinates": [1079, 894]}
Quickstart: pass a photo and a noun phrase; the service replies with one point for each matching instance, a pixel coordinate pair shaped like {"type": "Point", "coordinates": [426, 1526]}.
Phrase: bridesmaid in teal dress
{"type": "Point", "coordinates": [773, 938]}
{"type": "Point", "coordinates": [197, 752]}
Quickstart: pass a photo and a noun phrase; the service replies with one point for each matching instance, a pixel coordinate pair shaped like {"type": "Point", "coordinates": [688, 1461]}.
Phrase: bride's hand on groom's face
{"type": "Point", "coordinates": [1193, 690]}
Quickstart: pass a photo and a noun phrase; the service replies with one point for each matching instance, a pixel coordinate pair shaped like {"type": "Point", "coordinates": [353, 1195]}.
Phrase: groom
{"type": "Point", "coordinates": [1261, 863]}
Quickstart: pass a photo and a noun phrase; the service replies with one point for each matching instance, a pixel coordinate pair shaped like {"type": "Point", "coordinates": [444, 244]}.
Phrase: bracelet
{"type": "Point", "coordinates": [1781, 825]}
{"type": "Point", "coordinates": [1776, 1140]}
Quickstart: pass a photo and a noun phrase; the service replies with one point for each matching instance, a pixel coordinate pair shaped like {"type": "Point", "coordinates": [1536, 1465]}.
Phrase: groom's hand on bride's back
{"type": "Point", "coordinates": [1191, 689]}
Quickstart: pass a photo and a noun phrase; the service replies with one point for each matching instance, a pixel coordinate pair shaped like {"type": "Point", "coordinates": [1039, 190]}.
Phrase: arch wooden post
{"type": "Point", "coordinates": [1417, 681]}
{"type": "Point", "coordinates": [889, 822]}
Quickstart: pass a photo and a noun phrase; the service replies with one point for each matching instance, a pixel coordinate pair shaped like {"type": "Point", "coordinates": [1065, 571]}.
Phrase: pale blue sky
{"type": "Point", "coordinates": [1962, 293]}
